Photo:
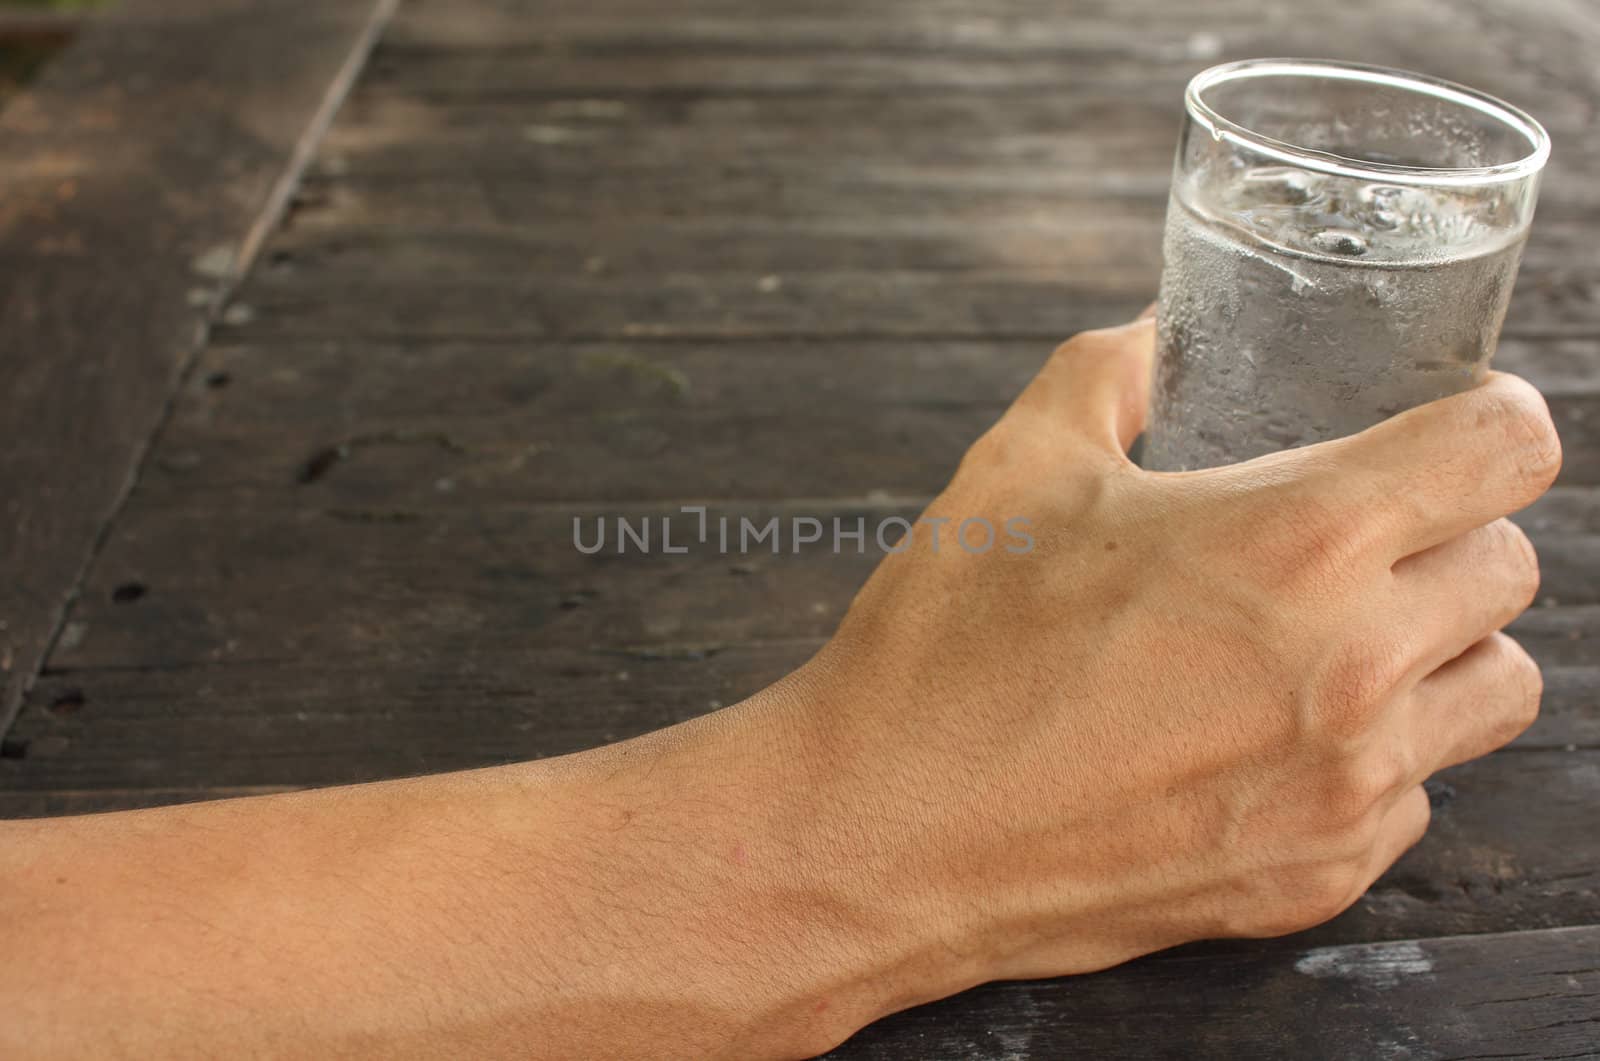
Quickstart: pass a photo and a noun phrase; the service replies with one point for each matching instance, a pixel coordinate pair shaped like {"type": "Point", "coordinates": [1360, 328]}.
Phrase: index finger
{"type": "Point", "coordinates": [1437, 471]}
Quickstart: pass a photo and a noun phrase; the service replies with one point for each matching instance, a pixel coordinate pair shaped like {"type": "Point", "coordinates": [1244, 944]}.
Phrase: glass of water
{"type": "Point", "coordinates": [1341, 243]}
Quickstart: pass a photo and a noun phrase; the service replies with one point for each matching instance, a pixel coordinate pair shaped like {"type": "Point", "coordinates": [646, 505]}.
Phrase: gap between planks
{"type": "Point", "coordinates": [15, 689]}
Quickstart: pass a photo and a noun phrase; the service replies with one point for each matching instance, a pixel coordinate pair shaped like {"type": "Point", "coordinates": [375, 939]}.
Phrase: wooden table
{"type": "Point", "coordinates": [289, 469]}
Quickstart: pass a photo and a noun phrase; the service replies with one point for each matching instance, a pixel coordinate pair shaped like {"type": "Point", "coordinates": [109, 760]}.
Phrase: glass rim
{"type": "Point", "coordinates": [1222, 127]}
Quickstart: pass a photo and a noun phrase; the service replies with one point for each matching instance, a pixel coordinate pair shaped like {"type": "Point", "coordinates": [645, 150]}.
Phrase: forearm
{"type": "Point", "coordinates": [1203, 706]}
{"type": "Point", "coordinates": [344, 922]}
{"type": "Point", "coordinates": [680, 895]}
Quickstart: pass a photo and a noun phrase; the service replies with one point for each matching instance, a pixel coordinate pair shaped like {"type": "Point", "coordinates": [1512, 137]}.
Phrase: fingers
{"type": "Point", "coordinates": [1097, 384]}
{"type": "Point", "coordinates": [1475, 703]}
{"type": "Point", "coordinates": [1403, 825]}
{"type": "Point", "coordinates": [1434, 472]}
{"type": "Point", "coordinates": [1464, 590]}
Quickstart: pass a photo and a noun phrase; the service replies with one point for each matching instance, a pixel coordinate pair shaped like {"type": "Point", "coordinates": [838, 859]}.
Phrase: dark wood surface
{"type": "Point", "coordinates": [137, 177]}
{"type": "Point", "coordinates": [1465, 998]}
{"type": "Point", "coordinates": [558, 258]}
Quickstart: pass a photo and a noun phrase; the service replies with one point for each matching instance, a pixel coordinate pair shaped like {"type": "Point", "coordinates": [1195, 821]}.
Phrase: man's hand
{"type": "Point", "coordinates": [1204, 704]}
{"type": "Point", "coordinates": [1201, 705]}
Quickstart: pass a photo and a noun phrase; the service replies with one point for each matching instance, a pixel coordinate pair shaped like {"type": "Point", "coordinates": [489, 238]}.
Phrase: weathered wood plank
{"type": "Point", "coordinates": [300, 721]}
{"type": "Point", "coordinates": [364, 386]}
{"type": "Point", "coordinates": [499, 25]}
{"type": "Point", "coordinates": [563, 421]}
{"type": "Point", "coordinates": [1449, 39]}
{"type": "Point", "coordinates": [756, 246]}
{"type": "Point", "coordinates": [864, 76]}
{"type": "Point", "coordinates": [815, 192]}
{"type": "Point", "coordinates": [1555, 49]}
{"type": "Point", "coordinates": [623, 452]}
{"type": "Point", "coordinates": [1149, 37]}
{"type": "Point", "coordinates": [1560, 636]}
{"type": "Point", "coordinates": [244, 581]}
{"type": "Point", "coordinates": [613, 69]}
{"type": "Point", "coordinates": [1049, 303]}
{"type": "Point", "coordinates": [587, 421]}
{"type": "Point", "coordinates": [348, 556]}
{"type": "Point", "coordinates": [247, 387]}
{"type": "Point", "coordinates": [1569, 717]}
{"type": "Point", "coordinates": [341, 244]}
{"type": "Point", "coordinates": [1123, 56]}
{"type": "Point", "coordinates": [487, 22]}
{"type": "Point", "coordinates": [134, 179]}
{"type": "Point", "coordinates": [388, 135]}
{"type": "Point", "coordinates": [1570, 511]}
{"type": "Point", "coordinates": [599, 457]}
{"type": "Point", "coordinates": [1560, 303]}
{"type": "Point", "coordinates": [1516, 995]}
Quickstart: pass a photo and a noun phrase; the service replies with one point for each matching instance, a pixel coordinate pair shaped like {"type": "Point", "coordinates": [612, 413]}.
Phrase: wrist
{"type": "Point", "coordinates": [958, 884]}
{"type": "Point", "coordinates": [816, 924]}
{"type": "Point", "coordinates": [884, 933]}
{"type": "Point", "coordinates": [742, 848]}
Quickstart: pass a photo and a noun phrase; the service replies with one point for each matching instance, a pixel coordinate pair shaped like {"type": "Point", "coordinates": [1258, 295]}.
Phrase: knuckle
{"type": "Point", "coordinates": [1283, 918]}
{"type": "Point", "coordinates": [1528, 685]}
{"type": "Point", "coordinates": [1421, 820]}
{"type": "Point", "coordinates": [1361, 786]}
{"type": "Point", "coordinates": [1523, 559]}
{"type": "Point", "coordinates": [1324, 545]}
{"type": "Point", "coordinates": [1303, 542]}
{"type": "Point", "coordinates": [1356, 683]}
{"type": "Point", "coordinates": [1520, 414]}
{"type": "Point", "coordinates": [1384, 774]}
{"type": "Point", "coordinates": [1392, 770]}
{"type": "Point", "coordinates": [1293, 900]}
{"type": "Point", "coordinates": [1324, 892]}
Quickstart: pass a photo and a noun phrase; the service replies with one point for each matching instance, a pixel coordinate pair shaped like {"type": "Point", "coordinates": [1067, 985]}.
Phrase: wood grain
{"type": "Point", "coordinates": [579, 258]}
{"type": "Point", "coordinates": [134, 177]}
{"type": "Point", "coordinates": [1519, 995]}
{"type": "Point", "coordinates": [182, 586]}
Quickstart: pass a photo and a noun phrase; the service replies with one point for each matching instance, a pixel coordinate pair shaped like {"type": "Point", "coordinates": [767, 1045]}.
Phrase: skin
{"type": "Point", "coordinates": [1201, 707]}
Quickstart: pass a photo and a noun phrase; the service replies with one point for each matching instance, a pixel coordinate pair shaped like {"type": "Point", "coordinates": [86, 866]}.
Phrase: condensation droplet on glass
{"type": "Point", "coordinates": [1385, 205]}
{"type": "Point", "coordinates": [1339, 241]}
{"type": "Point", "coordinates": [1279, 184]}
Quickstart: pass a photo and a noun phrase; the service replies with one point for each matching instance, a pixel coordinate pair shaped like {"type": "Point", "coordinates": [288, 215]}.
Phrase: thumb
{"type": "Point", "coordinates": [1097, 384]}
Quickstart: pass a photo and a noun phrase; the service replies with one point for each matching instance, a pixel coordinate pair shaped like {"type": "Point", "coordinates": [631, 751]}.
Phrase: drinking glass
{"type": "Point", "coordinates": [1341, 243]}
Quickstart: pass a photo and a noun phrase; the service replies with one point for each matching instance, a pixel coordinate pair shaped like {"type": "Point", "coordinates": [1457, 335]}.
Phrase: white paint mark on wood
{"type": "Point", "coordinates": [1376, 964]}
{"type": "Point", "coordinates": [238, 315]}
{"type": "Point", "coordinates": [215, 263]}
{"type": "Point", "coordinates": [72, 634]}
